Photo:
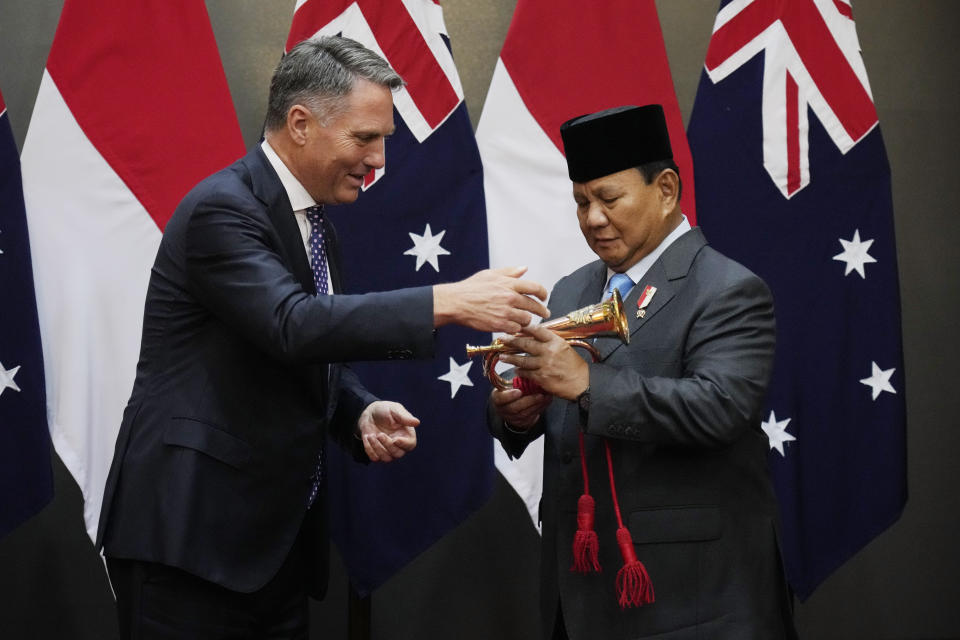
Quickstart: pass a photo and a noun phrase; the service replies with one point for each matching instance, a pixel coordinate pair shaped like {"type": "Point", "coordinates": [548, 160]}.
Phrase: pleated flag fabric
{"type": "Point", "coordinates": [132, 111]}
{"type": "Point", "coordinates": [26, 479]}
{"type": "Point", "coordinates": [807, 206]}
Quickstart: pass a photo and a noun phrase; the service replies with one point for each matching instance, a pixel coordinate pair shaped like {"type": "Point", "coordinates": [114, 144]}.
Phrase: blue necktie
{"type": "Point", "coordinates": [622, 283]}
{"type": "Point", "coordinates": [318, 264]}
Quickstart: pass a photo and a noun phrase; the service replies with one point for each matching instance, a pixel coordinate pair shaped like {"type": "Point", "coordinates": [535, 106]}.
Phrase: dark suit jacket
{"type": "Point", "coordinates": [680, 407]}
{"type": "Point", "coordinates": [234, 389]}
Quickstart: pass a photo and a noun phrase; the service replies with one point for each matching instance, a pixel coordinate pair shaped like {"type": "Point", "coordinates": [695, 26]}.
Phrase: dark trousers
{"type": "Point", "coordinates": [157, 602]}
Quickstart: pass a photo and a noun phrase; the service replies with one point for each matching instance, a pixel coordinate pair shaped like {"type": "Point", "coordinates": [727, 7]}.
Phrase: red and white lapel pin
{"type": "Point", "coordinates": [645, 299]}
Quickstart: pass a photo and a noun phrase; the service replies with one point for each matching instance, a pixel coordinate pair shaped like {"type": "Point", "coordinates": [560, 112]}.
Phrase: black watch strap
{"type": "Point", "coordinates": [583, 401]}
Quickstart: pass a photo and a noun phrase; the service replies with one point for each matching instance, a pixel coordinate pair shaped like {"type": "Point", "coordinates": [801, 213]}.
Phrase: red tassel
{"type": "Point", "coordinates": [586, 546]}
{"type": "Point", "coordinates": [528, 387]}
{"type": "Point", "coordinates": [634, 586]}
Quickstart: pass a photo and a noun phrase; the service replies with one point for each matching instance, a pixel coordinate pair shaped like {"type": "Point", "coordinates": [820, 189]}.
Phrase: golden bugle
{"type": "Point", "coordinates": [604, 319]}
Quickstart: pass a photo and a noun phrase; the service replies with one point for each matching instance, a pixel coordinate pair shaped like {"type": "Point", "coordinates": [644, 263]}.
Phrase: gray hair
{"type": "Point", "coordinates": [317, 73]}
{"type": "Point", "coordinates": [651, 170]}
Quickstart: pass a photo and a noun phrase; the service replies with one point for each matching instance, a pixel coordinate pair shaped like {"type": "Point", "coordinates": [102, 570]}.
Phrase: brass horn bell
{"type": "Point", "coordinates": [602, 320]}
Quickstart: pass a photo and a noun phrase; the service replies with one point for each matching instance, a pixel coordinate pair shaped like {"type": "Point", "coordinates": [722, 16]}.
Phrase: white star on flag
{"type": "Point", "coordinates": [855, 254]}
{"type": "Point", "coordinates": [427, 248]}
{"type": "Point", "coordinates": [6, 378]}
{"type": "Point", "coordinates": [777, 432]}
{"type": "Point", "coordinates": [457, 376]}
{"type": "Point", "coordinates": [879, 380]}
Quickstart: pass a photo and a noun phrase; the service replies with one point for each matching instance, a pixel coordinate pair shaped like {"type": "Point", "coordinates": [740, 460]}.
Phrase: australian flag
{"type": "Point", "coordinates": [26, 479]}
{"type": "Point", "coordinates": [419, 221]}
{"type": "Point", "coordinates": [793, 181]}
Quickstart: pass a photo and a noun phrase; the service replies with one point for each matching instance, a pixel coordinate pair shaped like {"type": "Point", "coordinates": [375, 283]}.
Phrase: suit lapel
{"type": "Point", "coordinates": [266, 186]}
{"type": "Point", "coordinates": [666, 274]}
{"type": "Point", "coordinates": [592, 290]}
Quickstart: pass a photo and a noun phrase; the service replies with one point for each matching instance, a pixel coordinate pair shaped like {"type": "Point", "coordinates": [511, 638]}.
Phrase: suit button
{"type": "Point", "coordinates": [566, 458]}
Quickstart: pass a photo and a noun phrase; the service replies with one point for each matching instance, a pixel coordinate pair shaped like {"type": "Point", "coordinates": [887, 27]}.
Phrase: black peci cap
{"type": "Point", "coordinates": [615, 139]}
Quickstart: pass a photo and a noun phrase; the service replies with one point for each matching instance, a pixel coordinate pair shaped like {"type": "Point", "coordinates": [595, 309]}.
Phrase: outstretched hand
{"type": "Point", "coordinates": [492, 300]}
{"type": "Point", "coordinates": [387, 430]}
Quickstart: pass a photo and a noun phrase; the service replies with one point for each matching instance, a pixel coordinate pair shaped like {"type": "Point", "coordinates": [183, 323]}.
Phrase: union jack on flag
{"type": "Point", "coordinates": [807, 206]}
{"type": "Point", "coordinates": [811, 61]}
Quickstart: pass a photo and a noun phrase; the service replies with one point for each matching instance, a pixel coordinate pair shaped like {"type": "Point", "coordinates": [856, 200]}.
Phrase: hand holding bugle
{"type": "Point", "coordinates": [604, 319]}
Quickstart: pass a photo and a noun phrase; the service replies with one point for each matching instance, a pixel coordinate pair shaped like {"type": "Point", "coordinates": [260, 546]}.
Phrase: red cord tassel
{"type": "Point", "coordinates": [634, 586]}
{"type": "Point", "coordinates": [586, 546]}
{"type": "Point", "coordinates": [528, 387]}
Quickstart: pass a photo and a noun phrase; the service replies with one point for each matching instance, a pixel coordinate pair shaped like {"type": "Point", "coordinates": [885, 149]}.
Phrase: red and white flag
{"type": "Point", "coordinates": [133, 110]}
{"type": "Point", "coordinates": [562, 59]}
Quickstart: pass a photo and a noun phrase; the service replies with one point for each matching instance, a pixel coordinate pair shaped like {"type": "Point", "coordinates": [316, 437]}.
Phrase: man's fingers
{"type": "Point", "coordinates": [523, 344]}
{"type": "Point", "coordinates": [398, 444]}
{"type": "Point", "coordinates": [528, 304]}
{"type": "Point", "coordinates": [511, 272]}
{"type": "Point", "coordinates": [389, 445]}
{"type": "Point", "coordinates": [531, 403]}
{"type": "Point", "coordinates": [402, 417]}
{"type": "Point", "coordinates": [506, 396]}
{"type": "Point", "coordinates": [373, 448]}
{"type": "Point", "coordinates": [539, 333]}
{"type": "Point", "coordinates": [406, 441]}
{"type": "Point", "coordinates": [530, 288]}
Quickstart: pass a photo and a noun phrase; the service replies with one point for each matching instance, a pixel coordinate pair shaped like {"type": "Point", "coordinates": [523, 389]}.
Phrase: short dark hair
{"type": "Point", "coordinates": [651, 170]}
{"type": "Point", "coordinates": [319, 72]}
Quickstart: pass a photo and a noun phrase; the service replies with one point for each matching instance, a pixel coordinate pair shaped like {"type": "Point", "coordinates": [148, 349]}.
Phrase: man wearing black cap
{"type": "Point", "coordinates": [659, 518]}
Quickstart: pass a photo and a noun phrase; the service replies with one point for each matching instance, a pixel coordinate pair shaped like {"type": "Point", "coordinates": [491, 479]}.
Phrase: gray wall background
{"type": "Point", "coordinates": [903, 585]}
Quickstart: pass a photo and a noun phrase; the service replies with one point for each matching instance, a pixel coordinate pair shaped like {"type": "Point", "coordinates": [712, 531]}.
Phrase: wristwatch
{"type": "Point", "coordinates": [583, 401]}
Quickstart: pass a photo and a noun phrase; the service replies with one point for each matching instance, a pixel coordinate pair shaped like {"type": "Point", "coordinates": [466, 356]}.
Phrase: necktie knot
{"type": "Point", "coordinates": [621, 282]}
{"type": "Point", "coordinates": [315, 215]}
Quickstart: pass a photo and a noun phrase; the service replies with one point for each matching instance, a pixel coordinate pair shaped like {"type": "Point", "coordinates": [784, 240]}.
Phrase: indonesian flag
{"type": "Point", "coordinates": [133, 110]}
{"type": "Point", "coordinates": [562, 59]}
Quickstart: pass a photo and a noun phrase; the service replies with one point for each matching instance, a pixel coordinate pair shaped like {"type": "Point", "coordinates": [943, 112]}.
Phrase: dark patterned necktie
{"type": "Point", "coordinates": [318, 255]}
{"type": "Point", "coordinates": [318, 264]}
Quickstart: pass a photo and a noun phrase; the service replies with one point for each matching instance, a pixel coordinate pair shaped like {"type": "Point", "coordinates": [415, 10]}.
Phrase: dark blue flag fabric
{"type": "Point", "coordinates": [793, 181]}
{"type": "Point", "coordinates": [419, 221]}
{"type": "Point", "coordinates": [26, 479]}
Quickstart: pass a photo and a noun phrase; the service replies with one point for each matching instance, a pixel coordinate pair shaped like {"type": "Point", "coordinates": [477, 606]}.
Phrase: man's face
{"type": "Point", "coordinates": [622, 218]}
{"type": "Point", "coordinates": [337, 156]}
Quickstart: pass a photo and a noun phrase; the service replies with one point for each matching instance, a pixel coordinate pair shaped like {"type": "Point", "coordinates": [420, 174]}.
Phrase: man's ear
{"type": "Point", "coordinates": [668, 184]}
{"type": "Point", "coordinates": [299, 120]}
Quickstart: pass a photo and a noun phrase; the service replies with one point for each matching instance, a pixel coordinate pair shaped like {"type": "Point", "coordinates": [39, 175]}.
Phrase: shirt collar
{"type": "Point", "coordinates": [637, 271]}
{"type": "Point", "coordinates": [296, 193]}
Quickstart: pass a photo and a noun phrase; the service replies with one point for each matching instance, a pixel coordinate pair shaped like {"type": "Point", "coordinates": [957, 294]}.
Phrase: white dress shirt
{"type": "Point", "coordinates": [640, 269]}
{"type": "Point", "coordinates": [300, 199]}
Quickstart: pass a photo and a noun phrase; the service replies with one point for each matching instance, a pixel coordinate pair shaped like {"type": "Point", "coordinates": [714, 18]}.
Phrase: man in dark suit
{"type": "Point", "coordinates": [213, 521]}
{"type": "Point", "coordinates": [661, 434]}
